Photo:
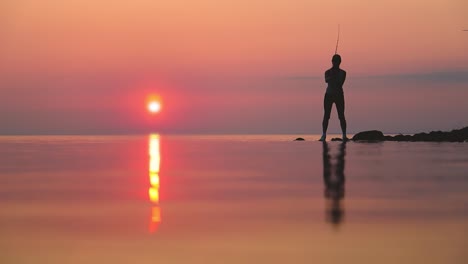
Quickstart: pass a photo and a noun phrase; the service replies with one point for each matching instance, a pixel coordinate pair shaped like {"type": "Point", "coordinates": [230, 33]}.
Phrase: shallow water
{"type": "Point", "coordinates": [231, 199]}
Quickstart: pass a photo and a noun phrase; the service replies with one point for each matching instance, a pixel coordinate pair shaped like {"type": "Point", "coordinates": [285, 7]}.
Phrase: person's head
{"type": "Point", "coordinates": [336, 60]}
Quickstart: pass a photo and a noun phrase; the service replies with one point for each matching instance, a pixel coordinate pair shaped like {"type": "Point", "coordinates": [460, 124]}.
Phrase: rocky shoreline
{"type": "Point", "coordinates": [457, 135]}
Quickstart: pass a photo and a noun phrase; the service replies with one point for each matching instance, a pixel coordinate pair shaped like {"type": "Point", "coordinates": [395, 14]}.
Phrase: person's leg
{"type": "Point", "coordinates": [340, 108]}
{"type": "Point", "coordinates": [327, 106]}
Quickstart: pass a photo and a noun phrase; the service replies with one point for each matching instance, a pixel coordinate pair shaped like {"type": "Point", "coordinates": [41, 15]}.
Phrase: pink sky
{"type": "Point", "coordinates": [230, 66]}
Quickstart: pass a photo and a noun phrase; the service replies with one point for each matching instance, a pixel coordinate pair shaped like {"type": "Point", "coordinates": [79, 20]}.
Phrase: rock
{"type": "Point", "coordinates": [336, 139]}
{"type": "Point", "coordinates": [435, 136]}
{"type": "Point", "coordinates": [402, 138]}
{"type": "Point", "coordinates": [371, 135]}
{"type": "Point", "coordinates": [299, 139]}
{"type": "Point", "coordinates": [457, 135]}
{"type": "Point", "coordinates": [420, 137]}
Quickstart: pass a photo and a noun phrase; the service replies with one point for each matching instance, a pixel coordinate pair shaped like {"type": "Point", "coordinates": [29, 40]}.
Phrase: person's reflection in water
{"type": "Point", "coordinates": [334, 179]}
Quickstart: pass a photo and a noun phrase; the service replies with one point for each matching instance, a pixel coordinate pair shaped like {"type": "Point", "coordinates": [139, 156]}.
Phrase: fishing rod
{"type": "Point", "coordinates": [337, 40]}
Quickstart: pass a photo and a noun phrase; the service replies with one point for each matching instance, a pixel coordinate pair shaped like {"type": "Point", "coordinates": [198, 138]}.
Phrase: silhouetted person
{"type": "Point", "coordinates": [335, 77]}
{"type": "Point", "coordinates": [334, 179]}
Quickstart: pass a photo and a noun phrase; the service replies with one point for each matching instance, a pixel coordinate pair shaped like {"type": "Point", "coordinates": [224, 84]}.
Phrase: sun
{"type": "Point", "coordinates": [154, 107]}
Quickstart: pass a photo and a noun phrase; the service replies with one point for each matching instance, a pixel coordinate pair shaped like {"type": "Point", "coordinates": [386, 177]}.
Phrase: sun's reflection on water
{"type": "Point", "coordinates": [153, 191]}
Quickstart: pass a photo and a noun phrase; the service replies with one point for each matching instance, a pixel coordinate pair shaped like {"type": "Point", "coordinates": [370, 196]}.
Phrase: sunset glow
{"type": "Point", "coordinates": [262, 131]}
{"type": "Point", "coordinates": [229, 67]}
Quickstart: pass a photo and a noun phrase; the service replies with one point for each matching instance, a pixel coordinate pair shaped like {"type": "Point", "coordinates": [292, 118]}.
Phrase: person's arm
{"type": "Point", "coordinates": [328, 76]}
{"type": "Point", "coordinates": [343, 79]}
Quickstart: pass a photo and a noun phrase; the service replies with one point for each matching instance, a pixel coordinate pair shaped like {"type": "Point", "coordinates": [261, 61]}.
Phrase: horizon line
{"type": "Point", "coordinates": [204, 134]}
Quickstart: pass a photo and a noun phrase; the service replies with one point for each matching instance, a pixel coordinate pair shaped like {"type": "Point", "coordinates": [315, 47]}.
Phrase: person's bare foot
{"type": "Point", "coordinates": [323, 138]}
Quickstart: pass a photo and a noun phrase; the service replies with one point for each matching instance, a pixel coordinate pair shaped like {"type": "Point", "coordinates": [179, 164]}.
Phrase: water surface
{"type": "Point", "coordinates": [231, 199]}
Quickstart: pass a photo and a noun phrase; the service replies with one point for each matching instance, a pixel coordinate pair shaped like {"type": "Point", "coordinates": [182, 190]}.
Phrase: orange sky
{"type": "Point", "coordinates": [229, 66]}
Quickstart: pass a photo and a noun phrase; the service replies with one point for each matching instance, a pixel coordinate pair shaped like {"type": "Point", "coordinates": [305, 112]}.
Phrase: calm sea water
{"type": "Point", "coordinates": [231, 199]}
